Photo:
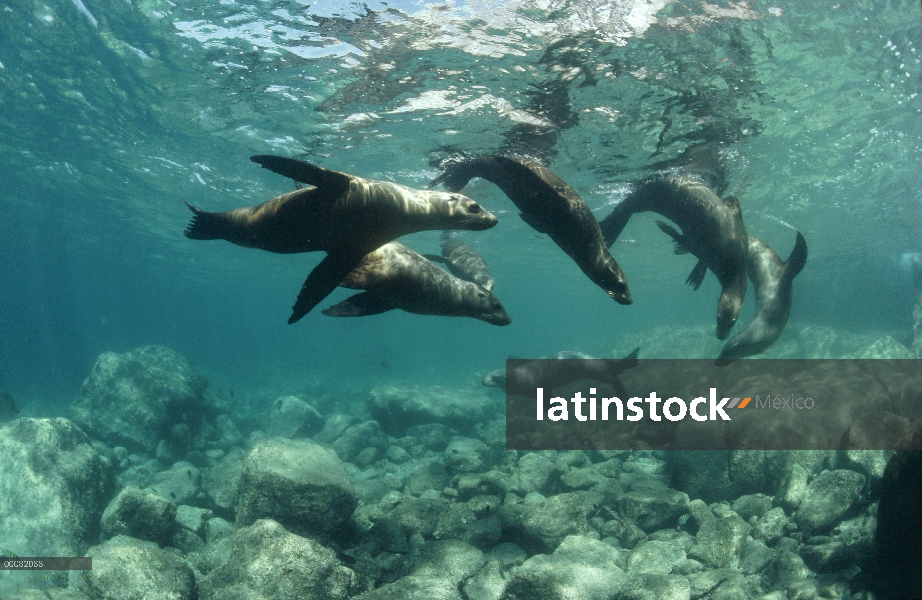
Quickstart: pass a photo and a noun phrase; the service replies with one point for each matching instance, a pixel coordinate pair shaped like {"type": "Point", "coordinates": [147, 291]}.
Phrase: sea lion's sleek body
{"type": "Point", "coordinates": [344, 215]}
{"type": "Point", "coordinates": [773, 284]}
{"type": "Point", "coordinates": [712, 230]}
{"type": "Point", "coordinates": [560, 369]}
{"type": "Point", "coordinates": [463, 261]}
{"type": "Point", "coordinates": [550, 206]}
{"type": "Point", "coordinates": [393, 276]}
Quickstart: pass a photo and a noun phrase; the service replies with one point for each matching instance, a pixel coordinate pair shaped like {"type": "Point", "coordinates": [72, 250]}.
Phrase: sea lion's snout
{"type": "Point", "coordinates": [621, 296]}
{"type": "Point", "coordinates": [475, 216]}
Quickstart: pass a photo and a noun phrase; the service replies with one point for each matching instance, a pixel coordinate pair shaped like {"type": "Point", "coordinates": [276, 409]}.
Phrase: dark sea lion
{"type": "Point", "coordinates": [393, 276]}
{"type": "Point", "coordinates": [344, 215]}
{"type": "Point", "coordinates": [463, 261]}
{"type": "Point", "coordinates": [550, 206]}
{"type": "Point", "coordinates": [712, 230]}
{"type": "Point", "coordinates": [559, 369]}
{"type": "Point", "coordinates": [773, 283]}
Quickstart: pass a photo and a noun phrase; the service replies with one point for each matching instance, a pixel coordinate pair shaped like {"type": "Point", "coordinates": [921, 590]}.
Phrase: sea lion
{"type": "Point", "coordinates": [549, 206]}
{"type": "Point", "coordinates": [463, 261]}
{"type": "Point", "coordinates": [559, 369]}
{"type": "Point", "coordinates": [712, 230]}
{"type": "Point", "coordinates": [393, 276]}
{"type": "Point", "coordinates": [344, 215]}
{"type": "Point", "coordinates": [773, 284]}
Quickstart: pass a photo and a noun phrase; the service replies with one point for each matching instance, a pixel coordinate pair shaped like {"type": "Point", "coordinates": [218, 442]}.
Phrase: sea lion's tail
{"type": "Point", "coordinates": [797, 259]}
{"type": "Point", "coordinates": [205, 225]}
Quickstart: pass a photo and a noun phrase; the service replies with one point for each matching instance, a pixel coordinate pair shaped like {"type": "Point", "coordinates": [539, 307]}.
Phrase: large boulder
{"type": "Point", "coordinates": [267, 562]}
{"type": "Point", "coordinates": [141, 514]}
{"type": "Point", "coordinates": [397, 408]}
{"type": "Point", "coordinates": [298, 483]}
{"type": "Point", "coordinates": [53, 488]}
{"type": "Point", "coordinates": [134, 399]}
{"type": "Point", "coordinates": [125, 567]}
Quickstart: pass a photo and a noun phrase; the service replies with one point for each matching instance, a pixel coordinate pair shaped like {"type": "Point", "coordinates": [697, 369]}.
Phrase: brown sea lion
{"type": "Point", "coordinates": [773, 283]}
{"type": "Point", "coordinates": [344, 215]}
{"type": "Point", "coordinates": [550, 206]}
{"type": "Point", "coordinates": [393, 276]}
{"type": "Point", "coordinates": [463, 261]}
{"type": "Point", "coordinates": [712, 230]}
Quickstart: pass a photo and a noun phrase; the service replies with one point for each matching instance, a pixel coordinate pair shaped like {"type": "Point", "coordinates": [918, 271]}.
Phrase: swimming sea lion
{"type": "Point", "coordinates": [463, 261]}
{"type": "Point", "coordinates": [712, 230]}
{"type": "Point", "coordinates": [560, 369]}
{"type": "Point", "coordinates": [773, 283]}
{"type": "Point", "coordinates": [344, 215]}
{"type": "Point", "coordinates": [550, 206]}
{"type": "Point", "coordinates": [393, 276]}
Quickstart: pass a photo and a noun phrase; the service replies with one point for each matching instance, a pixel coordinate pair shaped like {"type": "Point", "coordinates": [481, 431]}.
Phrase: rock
{"type": "Point", "coordinates": [752, 505]}
{"type": "Point", "coordinates": [452, 560]}
{"type": "Point", "coordinates": [181, 483]}
{"type": "Point", "coordinates": [267, 562]}
{"type": "Point", "coordinates": [298, 483]}
{"type": "Point", "coordinates": [652, 509]}
{"type": "Point", "coordinates": [655, 556]}
{"type": "Point", "coordinates": [655, 586]}
{"type": "Point", "coordinates": [480, 484]}
{"type": "Point", "coordinates": [53, 488]}
{"type": "Point", "coordinates": [487, 584]}
{"type": "Point", "coordinates": [770, 527]}
{"type": "Point", "coordinates": [702, 582]}
{"type": "Point", "coordinates": [536, 472]}
{"type": "Point", "coordinates": [357, 438]}
{"type": "Point", "coordinates": [411, 516]}
{"type": "Point", "coordinates": [134, 399]}
{"type": "Point", "coordinates": [583, 479]}
{"type": "Point", "coordinates": [792, 488]}
{"type": "Point", "coordinates": [580, 568]}
{"type": "Point", "coordinates": [465, 455]}
{"type": "Point", "coordinates": [193, 518]}
{"type": "Point", "coordinates": [124, 567]}
{"type": "Point", "coordinates": [290, 417]}
{"type": "Point", "coordinates": [414, 588]}
{"type": "Point", "coordinates": [788, 569]}
{"type": "Point", "coordinates": [226, 433]}
{"type": "Point", "coordinates": [828, 498]}
{"type": "Point", "coordinates": [397, 455]}
{"type": "Point", "coordinates": [141, 514]}
{"type": "Point", "coordinates": [719, 541]}
{"type": "Point", "coordinates": [544, 526]}
{"type": "Point", "coordinates": [334, 427]}
{"type": "Point", "coordinates": [221, 482]}
{"type": "Point", "coordinates": [186, 542]}
{"type": "Point", "coordinates": [217, 528]}
{"type": "Point", "coordinates": [397, 407]}
{"type": "Point", "coordinates": [755, 556]}
{"type": "Point", "coordinates": [899, 546]}
{"type": "Point", "coordinates": [885, 347]}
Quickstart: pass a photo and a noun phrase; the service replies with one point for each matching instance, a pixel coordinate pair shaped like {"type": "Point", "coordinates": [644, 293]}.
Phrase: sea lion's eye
{"type": "Point", "coordinates": [474, 207]}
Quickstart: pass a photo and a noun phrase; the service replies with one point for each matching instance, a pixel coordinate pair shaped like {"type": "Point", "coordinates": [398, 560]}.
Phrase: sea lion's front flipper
{"type": "Point", "coordinates": [305, 172]}
{"type": "Point", "coordinates": [535, 221]}
{"type": "Point", "coordinates": [458, 170]}
{"type": "Point", "coordinates": [360, 305]}
{"type": "Point", "coordinates": [613, 225]}
{"type": "Point", "coordinates": [322, 280]}
{"type": "Point", "coordinates": [697, 275]}
{"type": "Point", "coordinates": [678, 238]}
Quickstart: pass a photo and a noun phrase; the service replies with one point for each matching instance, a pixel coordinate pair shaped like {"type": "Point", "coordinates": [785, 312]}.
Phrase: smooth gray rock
{"type": "Point", "coordinates": [193, 518]}
{"type": "Point", "coordinates": [580, 568]}
{"type": "Point", "coordinates": [289, 417]}
{"type": "Point", "coordinates": [134, 399]}
{"type": "Point", "coordinates": [793, 487]}
{"type": "Point", "coordinates": [141, 514]}
{"type": "Point", "coordinates": [466, 455]}
{"type": "Point", "coordinates": [536, 472]}
{"type": "Point", "coordinates": [755, 556]}
{"type": "Point", "coordinates": [751, 505]}
{"type": "Point", "coordinates": [180, 483]}
{"type": "Point", "coordinates": [397, 408]}
{"type": "Point", "coordinates": [267, 562]}
{"type": "Point", "coordinates": [718, 542]}
{"type": "Point", "coordinates": [125, 568]}
{"type": "Point", "coordinates": [222, 481]}
{"type": "Point", "coordinates": [358, 437]}
{"type": "Point", "coordinates": [770, 526]}
{"type": "Point", "coordinates": [298, 483]}
{"type": "Point", "coordinates": [828, 498]}
{"type": "Point", "coordinates": [652, 509]}
{"type": "Point", "coordinates": [53, 489]}
{"type": "Point", "coordinates": [655, 556]}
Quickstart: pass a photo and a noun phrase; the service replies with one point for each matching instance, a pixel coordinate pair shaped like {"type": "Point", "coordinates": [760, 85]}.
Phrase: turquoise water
{"type": "Point", "coordinates": [112, 112]}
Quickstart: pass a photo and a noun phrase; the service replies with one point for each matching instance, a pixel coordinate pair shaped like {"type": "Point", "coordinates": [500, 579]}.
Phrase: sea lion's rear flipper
{"type": "Point", "coordinates": [205, 225]}
{"type": "Point", "coordinates": [458, 170]}
{"type": "Point", "coordinates": [535, 221]}
{"type": "Point", "coordinates": [305, 172]}
{"type": "Point", "coordinates": [678, 238]}
{"type": "Point", "coordinates": [360, 305]}
{"type": "Point", "coordinates": [322, 280]}
{"type": "Point", "coordinates": [797, 259]}
{"type": "Point", "coordinates": [697, 275]}
{"type": "Point", "coordinates": [435, 258]}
